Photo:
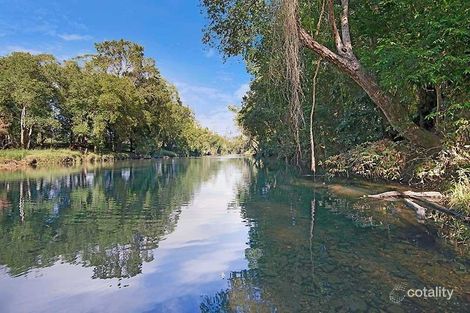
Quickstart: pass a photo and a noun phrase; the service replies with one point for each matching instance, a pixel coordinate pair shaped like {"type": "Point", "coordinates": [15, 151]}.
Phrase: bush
{"type": "Point", "coordinates": [10, 159]}
{"type": "Point", "coordinates": [459, 193]}
{"type": "Point", "coordinates": [48, 156]}
{"type": "Point", "coordinates": [383, 159]}
{"type": "Point", "coordinates": [450, 161]}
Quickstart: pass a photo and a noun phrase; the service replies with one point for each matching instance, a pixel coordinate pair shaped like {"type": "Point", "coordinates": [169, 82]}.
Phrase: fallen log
{"type": "Point", "coordinates": [402, 194]}
{"type": "Point", "coordinates": [420, 211]}
{"type": "Point", "coordinates": [426, 199]}
{"type": "Point", "coordinates": [440, 208]}
{"type": "Point", "coordinates": [386, 195]}
{"type": "Point", "coordinates": [425, 194]}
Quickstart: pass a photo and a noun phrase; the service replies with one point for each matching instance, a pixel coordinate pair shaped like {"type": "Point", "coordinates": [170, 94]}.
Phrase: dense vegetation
{"type": "Point", "coordinates": [114, 100]}
{"type": "Point", "coordinates": [415, 51]}
{"type": "Point", "coordinates": [330, 76]}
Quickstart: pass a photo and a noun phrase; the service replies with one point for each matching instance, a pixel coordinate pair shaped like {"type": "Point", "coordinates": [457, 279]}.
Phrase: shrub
{"type": "Point", "coordinates": [383, 159]}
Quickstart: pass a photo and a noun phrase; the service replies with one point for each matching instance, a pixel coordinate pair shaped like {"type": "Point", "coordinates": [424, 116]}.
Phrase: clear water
{"type": "Point", "coordinates": [213, 235]}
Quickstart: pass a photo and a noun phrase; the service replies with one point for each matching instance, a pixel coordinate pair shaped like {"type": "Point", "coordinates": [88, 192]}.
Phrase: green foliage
{"type": "Point", "coordinates": [417, 50]}
{"type": "Point", "coordinates": [459, 194]}
{"type": "Point", "coordinates": [114, 100]}
{"type": "Point", "coordinates": [28, 95]}
{"type": "Point", "coordinates": [453, 161]}
{"type": "Point", "coordinates": [11, 159]}
{"type": "Point", "coordinates": [379, 160]}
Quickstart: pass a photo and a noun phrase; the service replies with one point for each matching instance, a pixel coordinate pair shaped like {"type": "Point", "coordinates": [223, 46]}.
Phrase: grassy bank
{"type": "Point", "coordinates": [15, 159]}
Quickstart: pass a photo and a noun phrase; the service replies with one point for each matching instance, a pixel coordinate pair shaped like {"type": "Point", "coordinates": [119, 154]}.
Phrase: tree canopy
{"type": "Point", "coordinates": [388, 69]}
{"type": "Point", "coordinates": [112, 100]}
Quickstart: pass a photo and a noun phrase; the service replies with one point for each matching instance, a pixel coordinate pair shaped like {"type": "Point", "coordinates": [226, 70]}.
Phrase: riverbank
{"type": "Point", "coordinates": [15, 159]}
{"type": "Point", "coordinates": [447, 172]}
{"type": "Point", "coordinates": [18, 159]}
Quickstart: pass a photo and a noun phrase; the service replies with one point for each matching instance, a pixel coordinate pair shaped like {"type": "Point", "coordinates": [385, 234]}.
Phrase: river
{"type": "Point", "coordinates": [215, 235]}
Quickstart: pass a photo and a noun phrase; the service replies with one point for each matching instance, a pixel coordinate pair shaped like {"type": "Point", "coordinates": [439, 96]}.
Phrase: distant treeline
{"type": "Point", "coordinates": [112, 100]}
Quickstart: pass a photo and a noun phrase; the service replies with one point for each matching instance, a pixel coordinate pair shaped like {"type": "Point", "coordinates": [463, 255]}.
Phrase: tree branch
{"type": "Point", "coordinates": [322, 11]}
{"type": "Point", "coordinates": [331, 13]}
{"type": "Point", "coordinates": [324, 52]}
{"type": "Point", "coordinates": [312, 113]}
{"type": "Point", "coordinates": [346, 36]}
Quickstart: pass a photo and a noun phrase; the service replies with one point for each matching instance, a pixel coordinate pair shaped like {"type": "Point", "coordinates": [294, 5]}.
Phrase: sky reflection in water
{"type": "Point", "coordinates": [210, 235]}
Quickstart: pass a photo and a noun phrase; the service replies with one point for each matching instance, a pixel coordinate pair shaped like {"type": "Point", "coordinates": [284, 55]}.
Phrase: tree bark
{"type": "Point", "coordinates": [22, 126]}
{"type": "Point", "coordinates": [312, 115]}
{"type": "Point", "coordinates": [30, 133]}
{"type": "Point", "coordinates": [345, 60]}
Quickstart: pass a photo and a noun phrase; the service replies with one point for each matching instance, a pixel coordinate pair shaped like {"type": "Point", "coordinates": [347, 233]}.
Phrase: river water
{"type": "Point", "coordinates": [215, 235]}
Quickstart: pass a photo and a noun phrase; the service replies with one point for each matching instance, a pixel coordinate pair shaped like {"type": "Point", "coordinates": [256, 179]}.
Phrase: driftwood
{"type": "Point", "coordinates": [420, 211]}
{"type": "Point", "coordinates": [410, 194]}
{"type": "Point", "coordinates": [427, 200]}
{"type": "Point", "coordinates": [440, 208]}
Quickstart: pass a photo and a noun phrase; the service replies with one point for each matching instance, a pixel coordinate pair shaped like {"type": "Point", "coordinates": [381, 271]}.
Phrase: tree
{"type": "Point", "coordinates": [113, 100]}
{"type": "Point", "coordinates": [124, 59]}
{"type": "Point", "coordinates": [28, 95]}
{"type": "Point", "coordinates": [239, 26]}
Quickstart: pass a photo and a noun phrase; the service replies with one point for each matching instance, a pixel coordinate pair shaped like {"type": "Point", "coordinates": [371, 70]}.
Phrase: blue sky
{"type": "Point", "coordinates": [170, 31]}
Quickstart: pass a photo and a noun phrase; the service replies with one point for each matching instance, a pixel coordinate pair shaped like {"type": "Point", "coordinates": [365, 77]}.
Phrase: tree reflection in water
{"type": "Point", "coordinates": [283, 242]}
{"type": "Point", "coordinates": [319, 250]}
{"type": "Point", "coordinates": [107, 218]}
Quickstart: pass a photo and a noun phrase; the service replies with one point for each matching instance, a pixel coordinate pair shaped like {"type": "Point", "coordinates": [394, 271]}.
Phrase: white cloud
{"type": "Point", "coordinates": [241, 92]}
{"type": "Point", "coordinates": [203, 97]}
{"type": "Point", "coordinates": [211, 105]}
{"type": "Point", "coordinates": [220, 121]}
{"type": "Point", "coordinates": [74, 37]}
{"type": "Point", "coordinates": [10, 49]}
{"type": "Point", "coordinates": [209, 53]}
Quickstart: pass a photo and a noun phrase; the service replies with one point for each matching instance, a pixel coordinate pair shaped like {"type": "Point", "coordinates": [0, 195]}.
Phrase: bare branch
{"type": "Point", "coordinates": [312, 113]}
{"type": "Point", "coordinates": [337, 37]}
{"type": "Point", "coordinates": [314, 94]}
{"type": "Point", "coordinates": [322, 11]}
{"type": "Point", "coordinates": [346, 36]}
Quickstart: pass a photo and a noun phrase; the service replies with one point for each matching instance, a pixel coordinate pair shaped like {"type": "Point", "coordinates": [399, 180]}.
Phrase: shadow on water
{"type": "Point", "coordinates": [216, 235]}
{"type": "Point", "coordinates": [322, 247]}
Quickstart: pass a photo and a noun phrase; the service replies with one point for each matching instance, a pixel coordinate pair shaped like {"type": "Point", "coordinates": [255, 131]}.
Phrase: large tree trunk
{"type": "Point", "coordinates": [396, 114]}
{"type": "Point", "coordinates": [345, 60]}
